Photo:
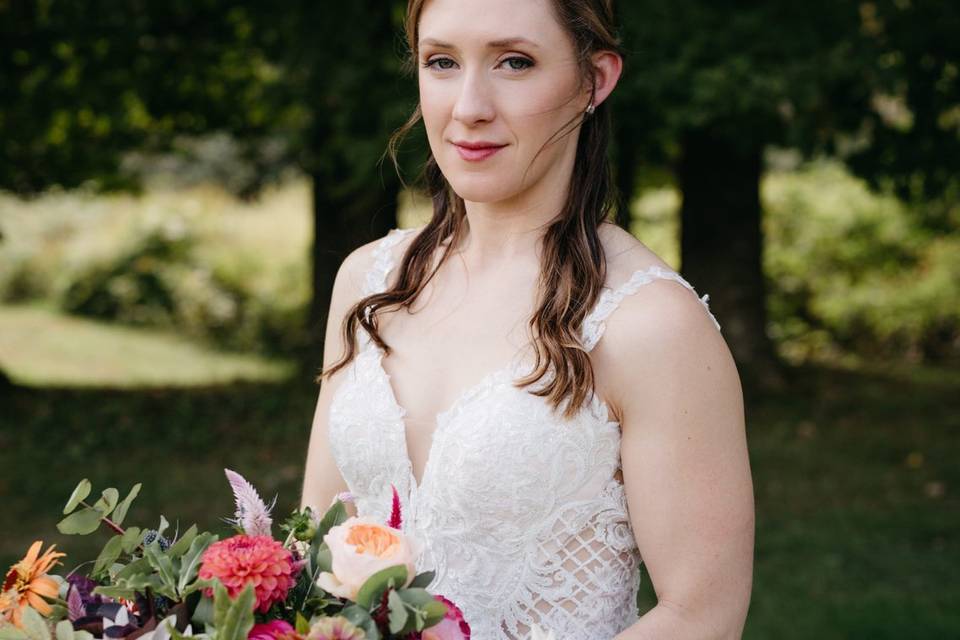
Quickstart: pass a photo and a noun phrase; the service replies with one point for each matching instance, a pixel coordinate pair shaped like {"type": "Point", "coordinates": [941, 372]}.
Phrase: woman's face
{"type": "Point", "coordinates": [501, 73]}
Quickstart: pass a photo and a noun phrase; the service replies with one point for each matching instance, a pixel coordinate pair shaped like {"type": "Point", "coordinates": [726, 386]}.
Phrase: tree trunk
{"type": "Point", "coordinates": [341, 224]}
{"type": "Point", "coordinates": [721, 245]}
{"type": "Point", "coordinates": [625, 167]}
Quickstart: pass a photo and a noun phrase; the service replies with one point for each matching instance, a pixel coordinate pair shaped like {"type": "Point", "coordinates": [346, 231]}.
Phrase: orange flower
{"type": "Point", "coordinates": [27, 583]}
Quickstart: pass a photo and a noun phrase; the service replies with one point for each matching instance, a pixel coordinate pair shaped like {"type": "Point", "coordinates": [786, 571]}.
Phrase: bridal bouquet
{"type": "Point", "coordinates": [330, 578]}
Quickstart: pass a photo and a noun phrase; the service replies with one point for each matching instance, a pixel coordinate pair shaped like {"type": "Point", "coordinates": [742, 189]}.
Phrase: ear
{"type": "Point", "coordinates": [607, 67]}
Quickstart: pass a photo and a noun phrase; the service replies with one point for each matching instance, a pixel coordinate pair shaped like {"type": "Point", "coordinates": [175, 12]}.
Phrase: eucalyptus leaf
{"type": "Point", "coordinates": [81, 522]}
{"type": "Point", "coordinates": [181, 545]}
{"type": "Point", "coordinates": [107, 502]}
{"type": "Point", "coordinates": [33, 625]}
{"type": "Point", "coordinates": [163, 526]}
{"type": "Point", "coordinates": [372, 589]}
{"type": "Point", "coordinates": [398, 612]}
{"type": "Point", "coordinates": [323, 560]}
{"type": "Point", "coordinates": [121, 511]}
{"type": "Point", "coordinates": [82, 635]}
{"type": "Point", "coordinates": [423, 580]}
{"type": "Point", "coordinates": [64, 630]}
{"type": "Point", "coordinates": [111, 551]}
{"type": "Point", "coordinates": [417, 597]}
{"type": "Point", "coordinates": [81, 491]}
{"type": "Point", "coordinates": [434, 612]}
{"type": "Point", "coordinates": [10, 632]}
{"type": "Point", "coordinates": [360, 617]}
{"type": "Point", "coordinates": [131, 539]}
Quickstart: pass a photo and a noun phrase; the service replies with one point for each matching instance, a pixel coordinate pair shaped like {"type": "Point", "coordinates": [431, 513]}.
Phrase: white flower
{"type": "Point", "coordinates": [536, 633]}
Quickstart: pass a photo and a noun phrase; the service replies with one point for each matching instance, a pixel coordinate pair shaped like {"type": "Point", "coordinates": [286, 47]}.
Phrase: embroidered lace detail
{"type": "Point", "coordinates": [594, 323]}
{"type": "Point", "coordinates": [519, 512]}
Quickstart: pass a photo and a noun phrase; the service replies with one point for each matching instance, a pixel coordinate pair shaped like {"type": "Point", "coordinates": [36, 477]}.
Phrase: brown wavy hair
{"type": "Point", "coordinates": [573, 268]}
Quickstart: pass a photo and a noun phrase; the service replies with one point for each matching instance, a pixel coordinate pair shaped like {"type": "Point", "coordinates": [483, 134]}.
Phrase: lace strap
{"type": "Point", "coordinates": [594, 324]}
{"type": "Point", "coordinates": [383, 261]}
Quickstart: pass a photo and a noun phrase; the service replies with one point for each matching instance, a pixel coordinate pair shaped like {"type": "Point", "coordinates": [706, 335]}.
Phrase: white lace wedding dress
{"type": "Point", "coordinates": [520, 514]}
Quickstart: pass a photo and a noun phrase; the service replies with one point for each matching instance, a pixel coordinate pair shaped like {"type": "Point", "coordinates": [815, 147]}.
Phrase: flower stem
{"type": "Point", "coordinates": [107, 521]}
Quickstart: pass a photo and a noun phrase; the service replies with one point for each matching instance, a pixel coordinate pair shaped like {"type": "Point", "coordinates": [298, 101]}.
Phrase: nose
{"type": "Point", "coordinates": [474, 103]}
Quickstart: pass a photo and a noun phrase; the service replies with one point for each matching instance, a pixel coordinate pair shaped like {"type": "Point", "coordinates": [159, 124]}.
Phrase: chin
{"type": "Point", "coordinates": [482, 188]}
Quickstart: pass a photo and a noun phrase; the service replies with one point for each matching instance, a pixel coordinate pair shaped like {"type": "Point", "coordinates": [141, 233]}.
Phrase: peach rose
{"type": "Point", "coordinates": [359, 548]}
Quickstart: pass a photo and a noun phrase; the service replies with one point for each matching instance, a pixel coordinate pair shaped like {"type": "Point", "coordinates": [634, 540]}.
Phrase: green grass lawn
{"type": "Point", "coordinates": [41, 347]}
{"type": "Point", "coordinates": [858, 508]}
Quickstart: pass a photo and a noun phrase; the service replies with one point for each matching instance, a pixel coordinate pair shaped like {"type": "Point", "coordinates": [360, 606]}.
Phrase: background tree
{"type": "Point", "coordinates": [81, 85]}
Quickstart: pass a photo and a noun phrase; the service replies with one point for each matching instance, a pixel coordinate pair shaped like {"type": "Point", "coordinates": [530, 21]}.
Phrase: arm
{"type": "Point", "coordinates": [685, 464]}
{"type": "Point", "coordinates": [322, 479]}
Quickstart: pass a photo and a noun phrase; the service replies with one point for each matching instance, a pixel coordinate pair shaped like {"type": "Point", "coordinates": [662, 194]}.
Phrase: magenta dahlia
{"type": "Point", "coordinates": [259, 560]}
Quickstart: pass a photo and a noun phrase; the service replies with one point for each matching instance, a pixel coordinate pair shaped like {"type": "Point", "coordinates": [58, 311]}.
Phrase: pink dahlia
{"type": "Point", "coordinates": [270, 630]}
{"type": "Point", "coordinates": [259, 560]}
{"type": "Point", "coordinates": [452, 627]}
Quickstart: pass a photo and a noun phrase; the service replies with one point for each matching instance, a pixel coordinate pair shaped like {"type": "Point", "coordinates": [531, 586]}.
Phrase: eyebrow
{"type": "Point", "coordinates": [493, 44]}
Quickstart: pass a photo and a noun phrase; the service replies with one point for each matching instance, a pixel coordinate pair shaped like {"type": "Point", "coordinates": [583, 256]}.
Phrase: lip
{"type": "Point", "coordinates": [476, 151]}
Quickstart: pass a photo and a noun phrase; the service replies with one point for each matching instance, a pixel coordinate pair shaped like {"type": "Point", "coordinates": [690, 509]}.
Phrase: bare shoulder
{"type": "Point", "coordinates": [662, 331]}
{"type": "Point", "coordinates": [354, 268]}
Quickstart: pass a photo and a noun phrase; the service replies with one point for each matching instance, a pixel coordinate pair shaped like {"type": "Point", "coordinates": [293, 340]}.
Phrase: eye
{"type": "Point", "coordinates": [433, 64]}
{"type": "Point", "coordinates": [524, 63]}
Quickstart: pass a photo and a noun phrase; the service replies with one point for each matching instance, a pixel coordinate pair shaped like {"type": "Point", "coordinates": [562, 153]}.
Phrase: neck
{"type": "Point", "coordinates": [511, 229]}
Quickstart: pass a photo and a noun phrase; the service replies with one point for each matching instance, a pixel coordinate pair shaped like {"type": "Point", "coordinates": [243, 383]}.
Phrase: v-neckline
{"type": "Point", "coordinates": [507, 371]}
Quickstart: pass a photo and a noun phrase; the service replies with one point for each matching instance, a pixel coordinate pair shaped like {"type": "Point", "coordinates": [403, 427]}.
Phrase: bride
{"type": "Point", "coordinates": [554, 404]}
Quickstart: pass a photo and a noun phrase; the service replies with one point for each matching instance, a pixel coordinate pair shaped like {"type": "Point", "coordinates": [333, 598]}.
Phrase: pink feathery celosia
{"type": "Point", "coordinates": [396, 520]}
{"type": "Point", "coordinates": [335, 628]}
{"type": "Point", "coordinates": [259, 560]}
{"type": "Point", "coordinates": [252, 515]}
{"type": "Point", "coordinates": [270, 630]}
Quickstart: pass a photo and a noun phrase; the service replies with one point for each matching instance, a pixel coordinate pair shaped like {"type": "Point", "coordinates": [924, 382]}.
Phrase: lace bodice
{"type": "Point", "coordinates": [519, 513]}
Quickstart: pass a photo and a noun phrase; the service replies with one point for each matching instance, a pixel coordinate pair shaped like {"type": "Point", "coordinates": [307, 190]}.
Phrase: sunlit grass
{"type": "Point", "coordinates": [41, 347]}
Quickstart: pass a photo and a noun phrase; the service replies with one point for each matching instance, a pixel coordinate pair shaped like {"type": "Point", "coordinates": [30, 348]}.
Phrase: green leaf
{"type": "Point", "coordinates": [64, 630]}
{"type": "Point", "coordinates": [33, 625]}
{"type": "Point", "coordinates": [190, 564]}
{"type": "Point", "coordinates": [434, 612]}
{"type": "Point", "coordinates": [115, 592]}
{"type": "Point", "coordinates": [121, 511]}
{"type": "Point", "coordinates": [336, 514]}
{"type": "Point", "coordinates": [302, 625]}
{"type": "Point", "coordinates": [398, 612]}
{"type": "Point", "coordinates": [138, 566]}
{"type": "Point", "coordinates": [107, 502]}
{"type": "Point", "coordinates": [10, 632]}
{"type": "Point", "coordinates": [360, 617]}
{"type": "Point", "coordinates": [372, 589]}
{"type": "Point", "coordinates": [82, 635]}
{"type": "Point", "coordinates": [323, 560]}
{"type": "Point", "coordinates": [111, 551]}
{"type": "Point", "coordinates": [80, 522]}
{"type": "Point", "coordinates": [203, 613]}
{"type": "Point", "coordinates": [162, 526]}
{"type": "Point", "coordinates": [416, 597]}
{"type": "Point", "coordinates": [131, 539]}
{"type": "Point", "coordinates": [236, 617]}
{"type": "Point", "coordinates": [181, 545]}
{"type": "Point", "coordinates": [80, 492]}
{"type": "Point", "coordinates": [423, 580]}
{"type": "Point", "coordinates": [162, 565]}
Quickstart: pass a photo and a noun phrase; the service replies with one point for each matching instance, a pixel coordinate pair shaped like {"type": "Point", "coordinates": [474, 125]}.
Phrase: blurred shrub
{"type": "Point", "coordinates": [849, 270]}
{"type": "Point", "coordinates": [229, 273]}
